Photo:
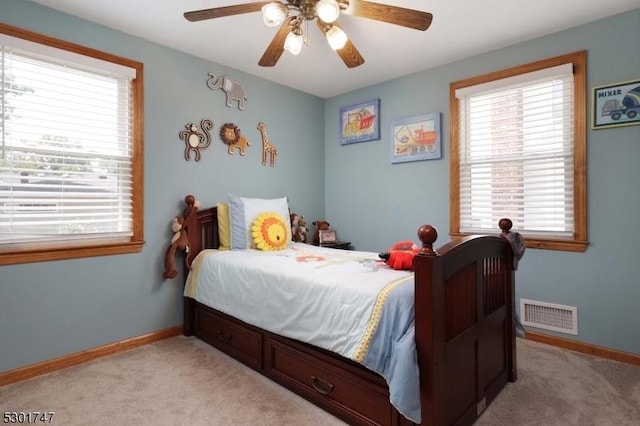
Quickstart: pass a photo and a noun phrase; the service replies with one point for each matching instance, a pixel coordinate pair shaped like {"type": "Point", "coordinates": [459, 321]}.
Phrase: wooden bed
{"type": "Point", "coordinates": [464, 332]}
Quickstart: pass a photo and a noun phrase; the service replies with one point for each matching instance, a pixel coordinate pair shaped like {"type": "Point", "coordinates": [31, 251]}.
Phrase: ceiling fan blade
{"type": "Point", "coordinates": [276, 47]}
{"type": "Point", "coordinates": [219, 12]}
{"type": "Point", "coordinates": [349, 54]}
{"type": "Point", "coordinates": [409, 18]}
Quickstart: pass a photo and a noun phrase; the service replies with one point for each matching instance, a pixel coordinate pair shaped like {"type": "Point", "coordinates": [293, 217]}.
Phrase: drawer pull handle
{"type": "Point", "coordinates": [324, 388]}
{"type": "Point", "coordinates": [225, 339]}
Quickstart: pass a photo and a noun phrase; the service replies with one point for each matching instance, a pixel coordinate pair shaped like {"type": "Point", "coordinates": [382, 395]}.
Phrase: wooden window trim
{"type": "Point", "coordinates": [579, 241]}
{"type": "Point", "coordinates": [39, 252]}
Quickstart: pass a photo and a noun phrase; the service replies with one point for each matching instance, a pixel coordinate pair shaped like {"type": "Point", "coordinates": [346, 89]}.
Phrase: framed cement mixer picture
{"type": "Point", "coordinates": [416, 138]}
{"type": "Point", "coordinates": [360, 122]}
{"type": "Point", "coordinates": [616, 104]}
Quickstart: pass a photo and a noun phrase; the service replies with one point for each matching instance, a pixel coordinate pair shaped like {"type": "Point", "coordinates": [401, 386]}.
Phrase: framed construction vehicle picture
{"type": "Point", "coordinates": [616, 104]}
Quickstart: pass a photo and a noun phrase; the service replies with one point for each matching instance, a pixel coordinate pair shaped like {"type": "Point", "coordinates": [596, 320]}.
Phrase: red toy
{"type": "Point", "coordinates": [401, 255]}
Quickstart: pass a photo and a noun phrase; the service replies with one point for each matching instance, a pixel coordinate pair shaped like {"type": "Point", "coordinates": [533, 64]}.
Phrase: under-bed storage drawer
{"type": "Point", "coordinates": [240, 342]}
{"type": "Point", "coordinates": [338, 391]}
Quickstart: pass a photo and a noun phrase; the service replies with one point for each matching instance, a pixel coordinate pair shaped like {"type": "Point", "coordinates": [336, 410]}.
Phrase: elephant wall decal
{"type": "Point", "coordinates": [233, 90]}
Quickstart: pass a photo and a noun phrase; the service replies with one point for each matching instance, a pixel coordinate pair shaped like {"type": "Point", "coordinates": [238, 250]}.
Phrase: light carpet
{"type": "Point", "coordinates": [183, 381]}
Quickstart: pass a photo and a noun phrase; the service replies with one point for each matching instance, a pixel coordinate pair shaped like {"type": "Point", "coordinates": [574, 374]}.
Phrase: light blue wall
{"type": "Point", "coordinates": [374, 203]}
{"type": "Point", "coordinates": [55, 308]}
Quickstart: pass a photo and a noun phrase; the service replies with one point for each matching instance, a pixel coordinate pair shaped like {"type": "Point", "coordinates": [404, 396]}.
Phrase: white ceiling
{"type": "Point", "coordinates": [460, 29]}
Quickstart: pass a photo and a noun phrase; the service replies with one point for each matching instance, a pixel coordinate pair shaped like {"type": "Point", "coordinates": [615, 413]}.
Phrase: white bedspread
{"type": "Point", "coordinates": [321, 296]}
{"type": "Point", "coordinates": [333, 299]}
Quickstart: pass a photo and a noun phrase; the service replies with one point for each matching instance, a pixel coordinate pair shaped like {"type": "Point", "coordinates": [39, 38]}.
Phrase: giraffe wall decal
{"type": "Point", "coordinates": [267, 147]}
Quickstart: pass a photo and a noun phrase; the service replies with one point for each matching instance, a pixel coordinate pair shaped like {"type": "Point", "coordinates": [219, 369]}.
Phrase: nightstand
{"type": "Point", "coordinates": [344, 245]}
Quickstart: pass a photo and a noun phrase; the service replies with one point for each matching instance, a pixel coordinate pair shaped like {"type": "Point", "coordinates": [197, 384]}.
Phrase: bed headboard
{"type": "Point", "coordinates": [202, 231]}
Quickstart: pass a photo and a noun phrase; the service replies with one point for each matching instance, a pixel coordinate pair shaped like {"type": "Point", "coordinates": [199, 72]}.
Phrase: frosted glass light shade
{"type": "Point", "coordinates": [327, 10]}
{"type": "Point", "coordinates": [293, 43]}
{"type": "Point", "coordinates": [273, 14]}
{"type": "Point", "coordinates": [336, 38]}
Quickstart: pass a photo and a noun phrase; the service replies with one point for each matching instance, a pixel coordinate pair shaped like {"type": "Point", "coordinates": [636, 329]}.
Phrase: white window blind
{"type": "Point", "coordinates": [66, 145]}
{"type": "Point", "coordinates": [516, 153]}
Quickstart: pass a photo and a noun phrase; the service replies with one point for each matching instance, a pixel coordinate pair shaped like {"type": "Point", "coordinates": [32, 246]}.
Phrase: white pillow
{"type": "Point", "coordinates": [242, 213]}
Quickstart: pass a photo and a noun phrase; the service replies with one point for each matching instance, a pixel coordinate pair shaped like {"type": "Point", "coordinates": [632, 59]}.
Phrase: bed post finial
{"type": "Point", "coordinates": [505, 224]}
{"type": "Point", "coordinates": [189, 200]}
{"type": "Point", "coordinates": [428, 235]}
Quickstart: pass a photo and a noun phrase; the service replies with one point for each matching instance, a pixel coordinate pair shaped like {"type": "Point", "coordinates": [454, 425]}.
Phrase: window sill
{"type": "Point", "coordinates": [561, 245]}
{"type": "Point", "coordinates": [544, 244]}
{"type": "Point", "coordinates": [44, 254]}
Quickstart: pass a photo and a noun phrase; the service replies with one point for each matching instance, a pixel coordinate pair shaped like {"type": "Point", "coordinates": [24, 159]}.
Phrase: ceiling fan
{"type": "Point", "coordinates": [292, 14]}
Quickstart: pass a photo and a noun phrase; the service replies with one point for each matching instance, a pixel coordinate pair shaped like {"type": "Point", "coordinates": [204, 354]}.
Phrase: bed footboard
{"type": "Point", "coordinates": [465, 334]}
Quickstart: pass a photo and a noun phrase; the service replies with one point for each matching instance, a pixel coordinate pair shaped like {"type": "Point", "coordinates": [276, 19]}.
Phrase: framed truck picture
{"type": "Point", "coordinates": [416, 138]}
{"type": "Point", "coordinates": [616, 104]}
{"type": "Point", "coordinates": [360, 122]}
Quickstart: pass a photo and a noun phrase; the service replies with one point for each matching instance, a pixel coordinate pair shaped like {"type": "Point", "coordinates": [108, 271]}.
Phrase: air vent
{"type": "Point", "coordinates": [549, 316]}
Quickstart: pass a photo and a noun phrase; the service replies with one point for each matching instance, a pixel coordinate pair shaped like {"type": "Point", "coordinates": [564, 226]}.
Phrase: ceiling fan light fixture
{"type": "Point", "coordinates": [293, 43]}
{"type": "Point", "coordinates": [274, 14]}
{"type": "Point", "coordinates": [328, 10]}
{"type": "Point", "coordinates": [336, 37]}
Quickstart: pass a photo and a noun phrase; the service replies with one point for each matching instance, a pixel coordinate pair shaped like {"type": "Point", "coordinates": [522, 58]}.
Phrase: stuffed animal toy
{"type": "Point", "coordinates": [400, 256]}
{"type": "Point", "coordinates": [302, 231]}
{"type": "Point", "coordinates": [294, 219]}
{"type": "Point", "coordinates": [321, 225]}
{"type": "Point", "coordinates": [179, 240]}
{"type": "Point", "coordinates": [298, 228]}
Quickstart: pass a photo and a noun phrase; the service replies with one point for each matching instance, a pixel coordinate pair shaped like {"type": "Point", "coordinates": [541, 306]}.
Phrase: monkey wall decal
{"type": "Point", "coordinates": [195, 139]}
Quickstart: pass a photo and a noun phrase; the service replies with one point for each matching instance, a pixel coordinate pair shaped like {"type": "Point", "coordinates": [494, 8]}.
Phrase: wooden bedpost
{"type": "Point", "coordinates": [505, 225]}
{"type": "Point", "coordinates": [192, 228]}
{"type": "Point", "coordinates": [429, 333]}
{"type": "Point", "coordinates": [188, 316]}
{"type": "Point", "coordinates": [189, 224]}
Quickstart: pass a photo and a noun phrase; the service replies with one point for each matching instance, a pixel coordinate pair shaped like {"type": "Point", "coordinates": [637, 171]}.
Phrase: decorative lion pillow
{"type": "Point", "coordinates": [244, 211]}
{"type": "Point", "coordinates": [269, 232]}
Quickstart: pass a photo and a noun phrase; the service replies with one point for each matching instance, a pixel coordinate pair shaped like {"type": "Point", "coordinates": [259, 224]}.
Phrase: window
{"type": "Point", "coordinates": [70, 150]}
{"type": "Point", "coordinates": [518, 150]}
